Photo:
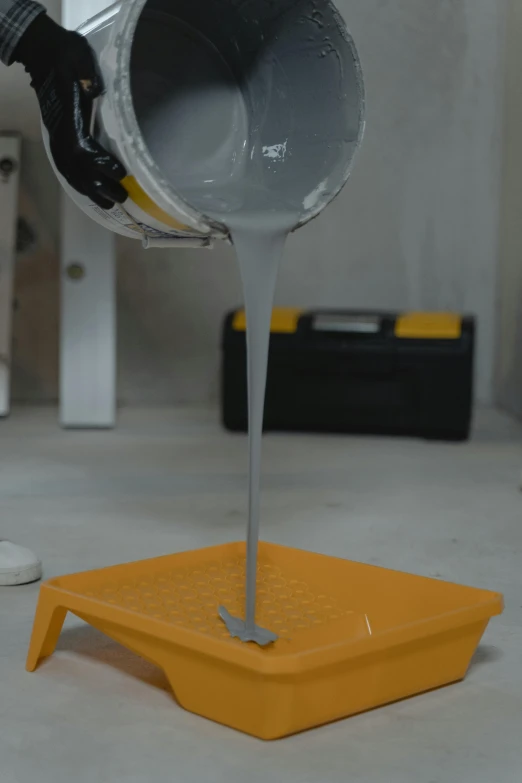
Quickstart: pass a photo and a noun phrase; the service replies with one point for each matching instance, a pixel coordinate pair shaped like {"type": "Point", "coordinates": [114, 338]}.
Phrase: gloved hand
{"type": "Point", "coordinates": [65, 76]}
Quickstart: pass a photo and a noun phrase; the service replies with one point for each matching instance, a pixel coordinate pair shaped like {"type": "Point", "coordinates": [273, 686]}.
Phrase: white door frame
{"type": "Point", "coordinates": [88, 309]}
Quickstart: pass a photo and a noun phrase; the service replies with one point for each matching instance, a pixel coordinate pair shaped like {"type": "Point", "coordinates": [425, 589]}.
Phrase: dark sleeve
{"type": "Point", "coordinates": [15, 18]}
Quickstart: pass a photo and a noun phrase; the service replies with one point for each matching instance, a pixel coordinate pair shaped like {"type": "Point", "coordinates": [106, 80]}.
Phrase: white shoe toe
{"type": "Point", "coordinates": [18, 565]}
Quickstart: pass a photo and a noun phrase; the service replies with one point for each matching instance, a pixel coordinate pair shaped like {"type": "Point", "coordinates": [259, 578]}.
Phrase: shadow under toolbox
{"type": "Point", "coordinates": [334, 371]}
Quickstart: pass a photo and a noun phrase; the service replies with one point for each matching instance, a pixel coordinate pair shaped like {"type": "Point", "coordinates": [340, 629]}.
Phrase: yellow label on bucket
{"type": "Point", "coordinates": [284, 320]}
{"type": "Point", "coordinates": [429, 326]}
{"type": "Point", "coordinates": [145, 203]}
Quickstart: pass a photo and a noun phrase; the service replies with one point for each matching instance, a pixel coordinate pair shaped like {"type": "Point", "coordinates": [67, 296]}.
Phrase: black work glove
{"type": "Point", "coordinates": [65, 77]}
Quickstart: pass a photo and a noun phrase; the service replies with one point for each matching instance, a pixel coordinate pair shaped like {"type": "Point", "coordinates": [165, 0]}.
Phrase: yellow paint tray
{"type": "Point", "coordinates": [351, 636]}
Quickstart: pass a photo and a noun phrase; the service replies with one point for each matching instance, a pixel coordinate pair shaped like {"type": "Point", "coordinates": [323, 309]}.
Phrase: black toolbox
{"type": "Point", "coordinates": [357, 372]}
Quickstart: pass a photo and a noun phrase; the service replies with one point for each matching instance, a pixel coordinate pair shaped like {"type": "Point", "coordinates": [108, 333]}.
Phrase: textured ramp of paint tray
{"type": "Point", "coordinates": [352, 636]}
{"type": "Point", "coordinates": [188, 594]}
{"type": "Point", "coordinates": [190, 597]}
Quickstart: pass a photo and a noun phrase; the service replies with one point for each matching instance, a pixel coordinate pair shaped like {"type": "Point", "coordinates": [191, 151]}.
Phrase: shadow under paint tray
{"type": "Point", "coordinates": [351, 636]}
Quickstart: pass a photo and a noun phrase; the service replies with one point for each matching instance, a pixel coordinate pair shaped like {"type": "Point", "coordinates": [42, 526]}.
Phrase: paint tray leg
{"type": "Point", "coordinates": [48, 623]}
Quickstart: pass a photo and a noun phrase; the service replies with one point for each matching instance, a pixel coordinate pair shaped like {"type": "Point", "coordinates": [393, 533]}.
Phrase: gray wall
{"type": "Point", "coordinates": [417, 226]}
{"type": "Point", "coordinates": [509, 367]}
{"type": "Point", "coordinates": [35, 360]}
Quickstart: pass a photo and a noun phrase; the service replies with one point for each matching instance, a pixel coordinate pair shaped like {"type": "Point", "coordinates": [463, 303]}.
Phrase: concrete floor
{"type": "Point", "coordinates": [168, 481]}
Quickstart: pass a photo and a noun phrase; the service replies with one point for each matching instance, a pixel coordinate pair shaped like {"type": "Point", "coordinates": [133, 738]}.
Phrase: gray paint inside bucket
{"type": "Point", "coordinates": [262, 98]}
{"type": "Point", "coordinates": [253, 112]}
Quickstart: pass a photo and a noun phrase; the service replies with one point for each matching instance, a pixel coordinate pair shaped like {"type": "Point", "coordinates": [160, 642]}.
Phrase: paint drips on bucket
{"type": "Point", "coordinates": [276, 151]}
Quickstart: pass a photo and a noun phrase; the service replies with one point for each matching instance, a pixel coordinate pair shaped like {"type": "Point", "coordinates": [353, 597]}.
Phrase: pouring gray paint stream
{"type": "Point", "coordinates": [243, 119]}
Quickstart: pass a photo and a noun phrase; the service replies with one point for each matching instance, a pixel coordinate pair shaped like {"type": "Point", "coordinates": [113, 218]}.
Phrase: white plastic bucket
{"type": "Point", "coordinates": [298, 72]}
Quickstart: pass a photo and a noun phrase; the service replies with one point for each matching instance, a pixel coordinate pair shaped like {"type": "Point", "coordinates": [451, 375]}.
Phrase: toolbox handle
{"type": "Point", "coordinates": [347, 323]}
